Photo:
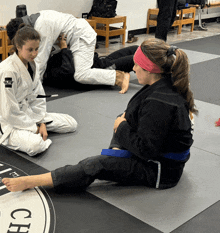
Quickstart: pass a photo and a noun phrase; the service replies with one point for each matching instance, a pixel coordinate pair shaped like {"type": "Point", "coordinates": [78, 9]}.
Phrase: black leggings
{"type": "Point", "coordinates": [121, 59]}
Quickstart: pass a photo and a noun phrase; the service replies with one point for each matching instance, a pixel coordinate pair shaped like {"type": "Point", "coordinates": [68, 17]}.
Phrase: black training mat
{"type": "Point", "coordinates": [63, 213]}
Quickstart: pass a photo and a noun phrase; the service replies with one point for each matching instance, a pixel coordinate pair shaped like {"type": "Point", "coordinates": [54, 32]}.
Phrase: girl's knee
{"type": "Point", "coordinates": [37, 146]}
{"type": "Point", "coordinates": [80, 77]}
{"type": "Point", "coordinates": [71, 124]}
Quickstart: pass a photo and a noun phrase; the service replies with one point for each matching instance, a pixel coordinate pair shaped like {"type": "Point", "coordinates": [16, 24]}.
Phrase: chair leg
{"type": "Point", "coordinates": [107, 36]}
{"type": "Point", "coordinates": [179, 29]}
{"type": "Point", "coordinates": [123, 39]}
{"type": "Point", "coordinates": [192, 27]}
{"type": "Point", "coordinates": [148, 18]}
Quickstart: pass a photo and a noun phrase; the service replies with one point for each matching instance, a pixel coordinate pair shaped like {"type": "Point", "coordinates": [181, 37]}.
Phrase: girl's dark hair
{"type": "Point", "coordinates": [157, 51]}
{"type": "Point", "coordinates": [23, 34]}
{"type": "Point", "coordinates": [13, 26]}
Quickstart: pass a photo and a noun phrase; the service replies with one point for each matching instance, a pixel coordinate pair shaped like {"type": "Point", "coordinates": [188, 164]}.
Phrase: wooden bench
{"type": "Point", "coordinates": [198, 7]}
{"type": "Point", "coordinates": [5, 44]}
{"type": "Point", "coordinates": [180, 20]}
{"type": "Point", "coordinates": [107, 31]}
{"type": "Point", "coordinates": [8, 45]}
{"type": "Point", "coordinates": [2, 45]}
{"type": "Point", "coordinates": [92, 23]}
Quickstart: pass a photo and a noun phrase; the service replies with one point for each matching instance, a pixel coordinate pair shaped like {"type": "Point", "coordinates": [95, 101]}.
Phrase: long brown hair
{"type": "Point", "coordinates": [23, 34]}
{"type": "Point", "coordinates": [157, 51]}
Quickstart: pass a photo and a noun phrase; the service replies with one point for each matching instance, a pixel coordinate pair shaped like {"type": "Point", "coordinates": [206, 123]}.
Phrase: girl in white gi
{"type": "Point", "coordinates": [81, 39]}
{"type": "Point", "coordinates": [24, 121]}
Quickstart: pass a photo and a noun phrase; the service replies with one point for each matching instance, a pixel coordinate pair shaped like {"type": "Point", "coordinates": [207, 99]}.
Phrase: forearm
{"type": "Point", "coordinates": [144, 145]}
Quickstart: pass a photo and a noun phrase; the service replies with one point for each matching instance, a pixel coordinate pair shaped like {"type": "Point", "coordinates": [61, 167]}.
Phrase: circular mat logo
{"type": "Point", "coordinates": [30, 211]}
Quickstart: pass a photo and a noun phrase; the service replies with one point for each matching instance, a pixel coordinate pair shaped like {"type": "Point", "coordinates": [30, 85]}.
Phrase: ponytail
{"type": "Point", "coordinates": [180, 73]}
{"type": "Point", "coordinates": [162, 54]}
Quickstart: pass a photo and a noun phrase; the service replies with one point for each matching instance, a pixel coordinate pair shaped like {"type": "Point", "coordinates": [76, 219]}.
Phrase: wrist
{"type": "Point", "coordinates": [63, 45]}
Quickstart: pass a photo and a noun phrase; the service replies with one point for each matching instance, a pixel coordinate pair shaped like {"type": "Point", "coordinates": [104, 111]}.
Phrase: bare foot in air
{"type": "Point", "coordinates": [17, 184]}
{"type": "Point", "coordinates": [125, 83]}
{"type": "Point", "coordinates": [122, 80]}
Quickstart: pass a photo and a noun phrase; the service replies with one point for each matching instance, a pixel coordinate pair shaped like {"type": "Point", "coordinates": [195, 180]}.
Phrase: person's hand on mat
{"type": "Point", "coordinates": [62, 41]}
{"type": "Point", "coordinates": [118, 121]}
{"type": "Point", "coordinates": [42, 130]}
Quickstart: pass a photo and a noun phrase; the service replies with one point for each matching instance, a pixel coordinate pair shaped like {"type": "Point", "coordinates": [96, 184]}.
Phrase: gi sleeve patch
{"type": "Point", "coordinates": [8, 82]}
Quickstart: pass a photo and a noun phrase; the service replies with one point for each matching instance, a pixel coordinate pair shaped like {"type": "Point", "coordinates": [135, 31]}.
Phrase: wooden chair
{"type": "Point", "coordinates": [92, 23]}
{"type": "Point", "coordinates": [5, 43]}
{"type": "Point", "coordinates": [180, 19]}
{"type": "Point", "coordinates": [190, 19]}
{"type": "Point", "coordinates": [2, 45]}
{"type": "Point", "coordinates": [107, 31]}
{"type": "Point", "coordinates": [8, 45]}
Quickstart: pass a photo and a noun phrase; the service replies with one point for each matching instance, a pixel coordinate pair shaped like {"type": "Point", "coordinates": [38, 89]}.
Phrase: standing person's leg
{"type": "Point", "coordinates": [174, 13]}
{"type": "Point", "coordinates": [78, 177]}
{"type": "Point", "coordinates": [164, 18]}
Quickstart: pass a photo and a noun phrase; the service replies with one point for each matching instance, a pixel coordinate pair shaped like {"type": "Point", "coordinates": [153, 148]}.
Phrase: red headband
{"type": "Point", "coordinates": [144, 62]}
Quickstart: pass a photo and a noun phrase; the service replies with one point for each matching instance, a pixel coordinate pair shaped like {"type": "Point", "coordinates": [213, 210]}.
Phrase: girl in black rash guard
{"type": "Point", "coordinates": [152, 138]}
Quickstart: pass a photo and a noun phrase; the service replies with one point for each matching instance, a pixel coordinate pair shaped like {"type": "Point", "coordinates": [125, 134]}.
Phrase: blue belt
{"type": "Point", "coordinates": [177, 156]}
{"type": "Point", "coordinates": [127, 154]}
{"type": "Point", "coordinates": [116, 153]}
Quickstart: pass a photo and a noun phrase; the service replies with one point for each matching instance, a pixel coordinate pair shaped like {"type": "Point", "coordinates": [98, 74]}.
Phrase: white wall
{"type": "Point", "coordinates": [135, 10]}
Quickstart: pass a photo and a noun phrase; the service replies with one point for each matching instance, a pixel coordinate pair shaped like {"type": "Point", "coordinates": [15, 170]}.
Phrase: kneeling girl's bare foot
{"type": "Point", "coordinates": [125, 83]}
{"type": "Point", "coordinates": [122, 80]}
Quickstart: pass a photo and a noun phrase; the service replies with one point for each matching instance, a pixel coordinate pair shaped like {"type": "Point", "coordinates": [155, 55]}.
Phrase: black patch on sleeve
{"type": "Point", "coordinates": [8, 82]}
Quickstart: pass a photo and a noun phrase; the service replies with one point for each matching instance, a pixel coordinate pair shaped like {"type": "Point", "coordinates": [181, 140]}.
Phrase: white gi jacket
{"type": "Point", "coordinates": [50, 24]}
{"type": "Point", "coordinates": [19, 107]}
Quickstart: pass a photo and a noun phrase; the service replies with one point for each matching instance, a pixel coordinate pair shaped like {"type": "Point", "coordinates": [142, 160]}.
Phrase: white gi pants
{"type": "Point", "coordinates": [31, 143]}
{"type": "Point", "coordinates": [83, 61]}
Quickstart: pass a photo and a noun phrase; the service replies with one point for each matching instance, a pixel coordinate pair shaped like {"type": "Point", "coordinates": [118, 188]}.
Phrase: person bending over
{"type": "Point", "coordinates": [80, 37]}
{"type": "Point", "coordinates": [152, 137]}
{"type": "Point", "coordinates": [60, 66]}
{"type": "Point", "coordinates": [24, 122]}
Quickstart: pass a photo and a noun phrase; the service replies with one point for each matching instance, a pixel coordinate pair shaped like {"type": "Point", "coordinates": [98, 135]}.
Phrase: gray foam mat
{"type": "Point", "coordinates": [205, 45]}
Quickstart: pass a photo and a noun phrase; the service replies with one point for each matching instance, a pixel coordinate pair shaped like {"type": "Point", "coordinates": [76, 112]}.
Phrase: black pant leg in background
{"type": "Point", "coordinates": [165, 18]}
{"type": "Point", "coordinates": [122, 59]}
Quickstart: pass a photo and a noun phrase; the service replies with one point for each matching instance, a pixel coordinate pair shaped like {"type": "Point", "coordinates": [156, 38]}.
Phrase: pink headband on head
{"type": "Point", "coordinates": [144, 62]}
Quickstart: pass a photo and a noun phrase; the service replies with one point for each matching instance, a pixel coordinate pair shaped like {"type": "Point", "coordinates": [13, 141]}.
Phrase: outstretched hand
{"type": "Point", "coordinates": [118, 121]}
